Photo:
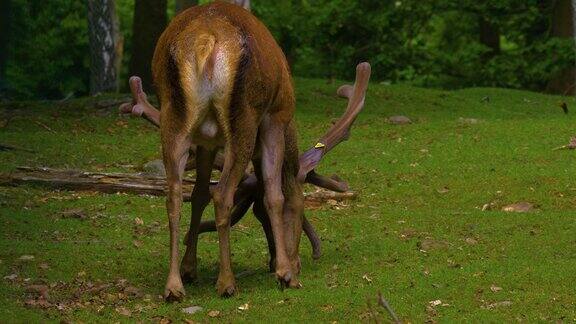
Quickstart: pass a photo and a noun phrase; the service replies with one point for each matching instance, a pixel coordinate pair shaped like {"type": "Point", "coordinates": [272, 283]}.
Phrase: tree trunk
{"type": "Point", "coordinates": [563, 26]}
{"type": "Point", "coordinates": [149, 22]}
{"type": "Point", "coordinates": [101, 29]}
{"type": "Point", "coordinates": [489, 37]}
{"type": "Point", "coordinates": [182, 5]}
{"type": "Point", "coordinates": [4, 39]}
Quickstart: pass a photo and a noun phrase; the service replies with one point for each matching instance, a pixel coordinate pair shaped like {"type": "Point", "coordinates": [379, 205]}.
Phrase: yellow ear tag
{"type": "Point", "coordinates": [319, 145]}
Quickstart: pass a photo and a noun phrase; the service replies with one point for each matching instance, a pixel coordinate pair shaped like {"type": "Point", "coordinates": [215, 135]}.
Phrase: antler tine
{"type": "Point", "coordinates": [140, 106]}
{"type": "Point", "coordinates": [341, 130]}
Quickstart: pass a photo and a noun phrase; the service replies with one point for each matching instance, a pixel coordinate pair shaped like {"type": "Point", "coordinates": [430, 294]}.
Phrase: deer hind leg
{"type": "Point", "coordinates": [260, 212]}
{"type": "Point", "coordinates": [175, 153]}
{"type": "Point", "coordinates": [237, 154]}
{"type": "Point", "coordinates": [200, 199]}
{"type": "Point", "coordinates": [272, 147]}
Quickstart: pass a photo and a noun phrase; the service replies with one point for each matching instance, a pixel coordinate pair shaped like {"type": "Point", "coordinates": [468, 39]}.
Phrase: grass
{"type": "Point", "coordinates": [417, 233]}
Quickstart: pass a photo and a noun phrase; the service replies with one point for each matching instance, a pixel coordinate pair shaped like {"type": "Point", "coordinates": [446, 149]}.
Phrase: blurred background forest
{"type": "Point", "coordinates": [47, 48]}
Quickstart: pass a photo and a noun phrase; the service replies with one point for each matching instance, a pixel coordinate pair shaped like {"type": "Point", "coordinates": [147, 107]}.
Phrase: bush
{"type": "Point", "coordinates": [425, 43]}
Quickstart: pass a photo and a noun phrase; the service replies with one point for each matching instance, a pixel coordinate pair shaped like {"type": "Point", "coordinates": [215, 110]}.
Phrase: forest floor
{"type": "Point", "coordinates": [428, 230]}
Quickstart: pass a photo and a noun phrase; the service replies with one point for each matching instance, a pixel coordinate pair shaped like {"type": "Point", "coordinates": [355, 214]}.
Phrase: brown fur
{"type": "Point", "coordinates": [223, 81]}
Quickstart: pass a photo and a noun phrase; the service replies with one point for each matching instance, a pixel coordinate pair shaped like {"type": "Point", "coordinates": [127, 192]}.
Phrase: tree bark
{"type": "Point", "coordinates": [101, 29]}
{"type": "Point", "coordinates": [182, 5]}
{"type": "Point", "coordinates": [5, 15]}
{"type": "Point", "coordinates": [149, 22]}
{"type": "Point", "coordinates": [563, 26]}
{"type": "Point", "coordinates": [489, 37]}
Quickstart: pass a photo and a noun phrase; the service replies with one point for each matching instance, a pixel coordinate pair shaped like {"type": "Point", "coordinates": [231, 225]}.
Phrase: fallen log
{"type": "Point", "coordinates": [132, 183]}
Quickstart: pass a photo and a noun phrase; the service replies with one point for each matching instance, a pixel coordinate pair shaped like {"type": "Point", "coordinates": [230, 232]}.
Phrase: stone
{"type": "Point", "coordinates": [399, 120]}
{"type": "Point", "coordinates": [191, 309]}
{"type": "Point", "coordinates": [155, 167]}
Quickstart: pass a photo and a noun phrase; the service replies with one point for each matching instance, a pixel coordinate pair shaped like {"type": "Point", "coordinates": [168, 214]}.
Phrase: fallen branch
{"type": "Point", "coordinates": [13, 148]}
{"type": "Point", "coordinates": [133, 183]}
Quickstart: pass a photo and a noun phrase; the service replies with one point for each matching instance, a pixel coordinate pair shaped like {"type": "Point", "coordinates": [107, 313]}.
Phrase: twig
{"type": "Point", "coordinates": [45, 126]}
{"type": "Point", "coordinates": [384, 303]}
{"type": "Point", "coordinates": [12, 148]}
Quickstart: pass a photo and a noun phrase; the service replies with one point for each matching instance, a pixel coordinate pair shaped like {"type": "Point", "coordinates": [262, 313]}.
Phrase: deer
{"type": "Point", "coordinates": [223, 83]}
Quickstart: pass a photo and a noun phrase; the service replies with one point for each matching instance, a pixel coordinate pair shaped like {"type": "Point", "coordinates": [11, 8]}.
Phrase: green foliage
{"type": "Point", "coordinates": [426, 43]}
{"type": "Point", "coordinates": [48, 49]}
{"type": "Point", "coordinates": [429, 43]}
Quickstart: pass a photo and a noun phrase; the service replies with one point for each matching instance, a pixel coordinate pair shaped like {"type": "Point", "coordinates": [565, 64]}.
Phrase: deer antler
{"type": "Point", "coordinates": [140, 105]}
{"type": "Point", "coordinates": [341, 130]}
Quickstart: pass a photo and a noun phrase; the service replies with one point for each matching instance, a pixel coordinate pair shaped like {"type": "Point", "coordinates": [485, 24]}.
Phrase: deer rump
{"type": "Point", "coordinates": [208, 65]}
{"type": "Point", "coordinates": [223, 82]}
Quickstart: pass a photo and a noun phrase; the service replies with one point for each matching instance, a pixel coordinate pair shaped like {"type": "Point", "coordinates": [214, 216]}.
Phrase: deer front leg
{"type": "Point", "coordinates": [293, 216]}
{"type": "Point", "coordinates": [237, 154]}
{"type": "Point", "coordinates": [175, 153]}
{"type": "Point", "coordinates": [272, 146]}
{"type": "Point", "coordinates": [200, 199]}
{"type": "Point", "coordinates": [293, 204]}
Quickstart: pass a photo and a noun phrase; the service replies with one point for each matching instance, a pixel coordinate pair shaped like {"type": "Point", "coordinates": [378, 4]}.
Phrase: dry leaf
{"type": "Point", "coordinates": [41, 290]}
{"type": "Point", "coordinates": [365, 277]}
{"type": "Point", "coordinates": [435, 302]}
{"type": "Point", "coordinates": [399, 120]}
{"type": "Point", "coordinates": [521, 207]}
{"type": "Point", "coordinates": [429, 244]}
{"type": "Point", "coordinates": [26, 258]}
{"type": "Point", "coordinates": [438, 302]}
{"type": "Point", "coordinates": [123, 311]}
{"type": "Point", "coordinates": [77, 213]}
{"type": "Point", "coordinates": [40, 303]}
{"type": "Point", "coordinates": [11, 277]}
{"type": "Point", "coordinates": [132, 291]}
{"type": "Point", "coordinates": [214, 313]}
{"type": "Point", "coordinates": [495, 288]}
{"type": "Point", "coordinates": [443, 190]}
{"type": "Point", "coordinates": [504, 303]}
{"type": "Point", "coordinates": [138, 221]}
{"type": "Point", "coordinates": [244, 307]}
{"type": "Point", "coordinates": [471, 241]}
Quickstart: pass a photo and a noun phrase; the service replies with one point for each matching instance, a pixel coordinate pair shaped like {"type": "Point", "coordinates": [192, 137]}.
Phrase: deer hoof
{"type": "Point", "coordinates": [188, 276]}
{"type": "Point", "coordinates": [188, 272]}
{"type": "Point", "coordinates": [226, 288]}
{"type": "Point", "coordinates": [284, 278]}
{"type": "Point", "coordinates": [174, 290]}
{"type": "Point", "coordinates": [295, 284]}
